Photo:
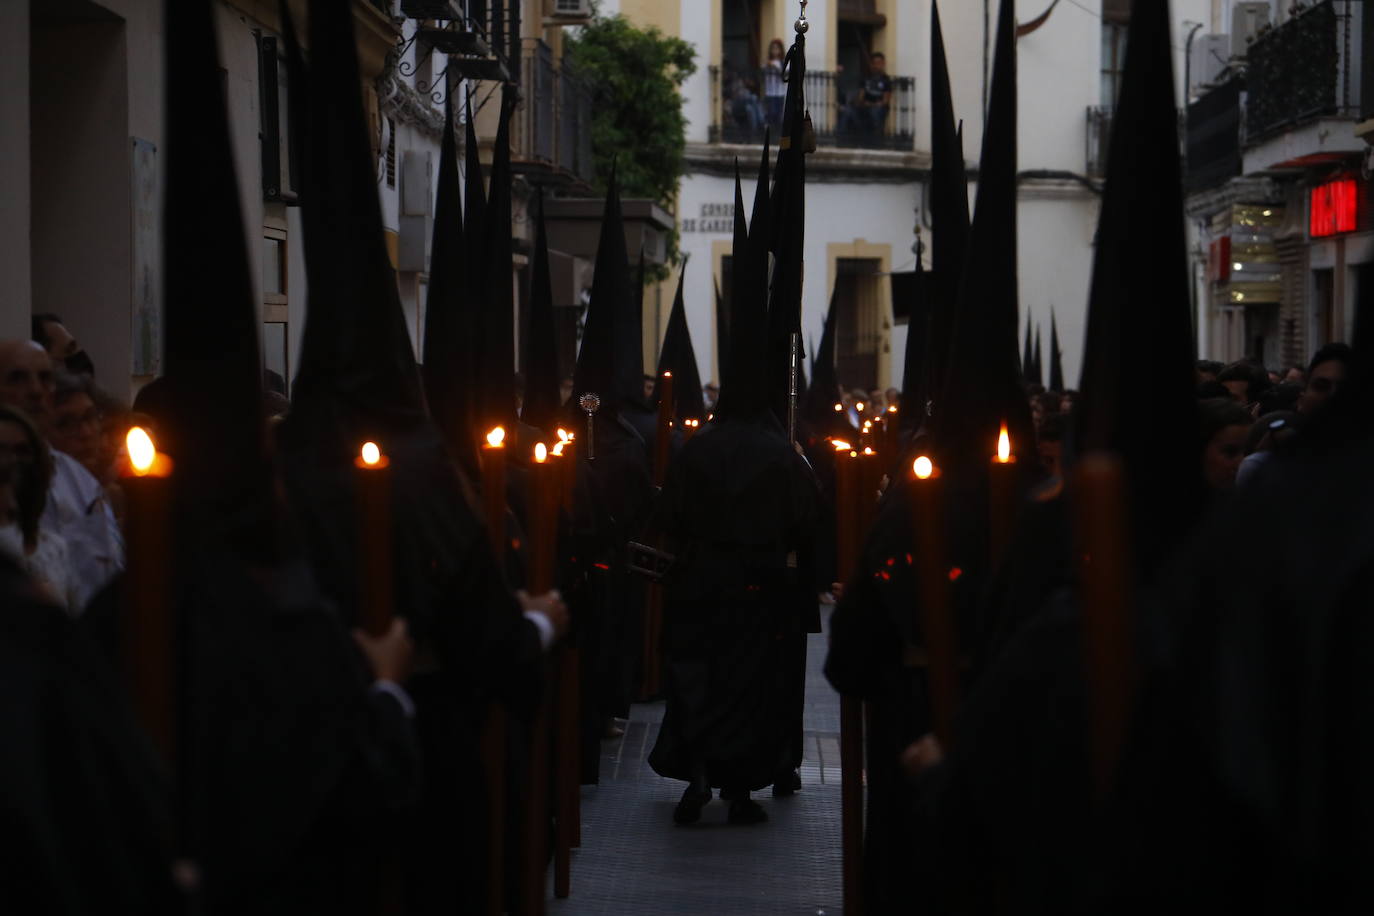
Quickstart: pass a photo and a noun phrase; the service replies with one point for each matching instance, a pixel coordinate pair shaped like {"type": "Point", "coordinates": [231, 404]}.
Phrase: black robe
{"type": "Point", "coordinates": [475, 646]}
{"type": "Point", "coordinates": [87, 821]}
{"type": "Point", "coordinates": [610, 506]}
{"type": "Point", "coordinates": [738, 507]}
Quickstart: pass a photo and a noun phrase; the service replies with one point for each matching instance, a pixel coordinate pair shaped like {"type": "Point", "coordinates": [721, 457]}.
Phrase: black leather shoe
{"type": "Point", "coordinates": [747, 811]}
{"type": "Point", "coordinates": [688, 811]}
{"type": "Point", "coordinates": [788, 783]}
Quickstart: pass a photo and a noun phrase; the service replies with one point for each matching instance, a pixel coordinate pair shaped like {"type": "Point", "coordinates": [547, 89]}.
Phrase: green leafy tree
{"type": "Point", "coordinates": [635, 76]}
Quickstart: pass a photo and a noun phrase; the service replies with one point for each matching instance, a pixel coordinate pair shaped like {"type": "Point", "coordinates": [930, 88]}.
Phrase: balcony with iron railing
{"type": "Point", "coordinates": [745, 103]}
{"type": "Point", "coordinates": [551, 140]}
{"type": "Point", "coordinates": [1307, 68]}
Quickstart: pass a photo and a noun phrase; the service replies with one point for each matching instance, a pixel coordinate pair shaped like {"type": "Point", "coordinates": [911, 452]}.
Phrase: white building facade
{"type": "Point", "coordinates": [867, 194]}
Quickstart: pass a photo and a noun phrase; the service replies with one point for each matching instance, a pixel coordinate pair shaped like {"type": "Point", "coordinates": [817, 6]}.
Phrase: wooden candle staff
{"type": "Point", "coordinates": [374, 556]}
{"type": "Point", "coordinates": [933, 578]}
{"type": "Point", "coordinates": [848, 506]}
{"type": "Point", "coordinates": [1104, 574]}
{"type": "Point", "coordinates": [149, 634]}
{"type": "Point", "coordinates": [494, 734]}
{"type": "Point", "coordinates": [567, 781]}
{"type": "Point", "coordinates": [543, 533]}
{"type": "Point", "coordinates": [1001, 500]}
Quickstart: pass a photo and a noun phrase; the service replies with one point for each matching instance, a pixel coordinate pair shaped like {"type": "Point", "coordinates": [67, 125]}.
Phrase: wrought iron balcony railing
{"type": "Point", "coordinates": [746, 102]}
{"type": "Point", "coordinates": [552, 136]}
{"type": "Point", "coordinates": [1304, 69]}
{"type": "Point", "coordinates": [1099, 138]}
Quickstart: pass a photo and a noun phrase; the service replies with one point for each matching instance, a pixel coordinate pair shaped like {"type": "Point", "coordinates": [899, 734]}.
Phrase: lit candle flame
{"type": "Point", "coordinates": [142, 453]}
{"type": "Point", "coordinates": [541, 453]}
{"type": "Point", "coordinates": [667, 373]}
{"type": "Point", "coordinates": [923, 467]}
{"type": "Point", "coordinates": [841, 445]}
{"type": "Point", "coordinates": [892, 409]}
{"type": "Point", "coordinates": [859, 407]}
{"type": "Point", "coordinates": [868, 451]}
{"type": "Point", "coordinates": [558, 449]}
{"type": "Point", "coordinates": [563, 435]}
{"type": "Point", "coordinates": [839, 408]}
{"type": "Point", "coordinates": [371, 454]}
{"type": "Point", "coordinates": [496, 437]}
{"type": "Point", "coordinates": [1003, 446]}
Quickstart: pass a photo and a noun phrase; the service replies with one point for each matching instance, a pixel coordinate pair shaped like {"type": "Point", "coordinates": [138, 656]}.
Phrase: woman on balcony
{"type": "Point", "coordinates": [774, 87]}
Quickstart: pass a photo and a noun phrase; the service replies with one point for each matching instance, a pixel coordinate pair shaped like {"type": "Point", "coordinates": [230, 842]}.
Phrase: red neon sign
{"type": "Point", "coordinates": [1334, 207]}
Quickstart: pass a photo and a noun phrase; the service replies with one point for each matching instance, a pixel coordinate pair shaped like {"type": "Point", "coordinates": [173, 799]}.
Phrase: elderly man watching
{"type": "Point", "coordinates": [77, 508]}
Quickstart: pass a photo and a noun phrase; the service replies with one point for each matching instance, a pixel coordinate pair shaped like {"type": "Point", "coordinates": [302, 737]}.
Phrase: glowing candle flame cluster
{"type": "Point", "coordinates": [496, 438]}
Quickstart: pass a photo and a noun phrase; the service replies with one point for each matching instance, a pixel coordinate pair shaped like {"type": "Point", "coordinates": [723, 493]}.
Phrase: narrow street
{"type": "Point", "coordinates": [635, 861]}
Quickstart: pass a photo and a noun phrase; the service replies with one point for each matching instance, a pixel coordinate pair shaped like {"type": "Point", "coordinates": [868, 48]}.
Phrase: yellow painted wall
{"type": "Point", "coordinates": [666, 15]}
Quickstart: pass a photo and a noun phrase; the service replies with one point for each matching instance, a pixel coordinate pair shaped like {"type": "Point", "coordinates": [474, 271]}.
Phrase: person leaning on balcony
{"type": "Point", "coordinates": [774, 87]}
{"type": "Point", "coordinates": [876, 97]}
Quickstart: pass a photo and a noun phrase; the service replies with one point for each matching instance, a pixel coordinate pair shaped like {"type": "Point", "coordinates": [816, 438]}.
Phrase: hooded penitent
{"type": "Point", "coordinates": [1037, 363]}
{"type": "Point", "coordinates": [276, 737]}
{"type": "Point", "coordinates": [786, 230]}
{"type": "Point", "coordinates": [744, 388]}
{"type": "Point", "coordinates": [357, 365]}
{"type": "Point", "coordinates": [949, 215]}
{"type": "Point", "coordinates": [606, 366]}
{"type": "Point", "coordinates": [982, 387]}
{"type": "Point", "coordinates": [916, 368]}
{"type": "Point", "coordinates": [1056, 358]}
{"type": "Point", "coordinates": [496, 358]}
{"type": "Point", "coordinates": [1027, 354]}
{"type": "Point", "coordinates": [449, 357]}
{"type": "Point", "coordinates": [680, 358]}
{"type": "Point", "coordinates": [213, 374]}
{"type": "Point", "coordinates": [542, 407]}
{"type": "Point", "coordinates": [1140, 318]}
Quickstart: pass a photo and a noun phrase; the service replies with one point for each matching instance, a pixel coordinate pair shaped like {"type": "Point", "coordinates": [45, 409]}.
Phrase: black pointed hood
{"type": "Point", "coordinates": [542, 408]}
{"type": "Point", "coordinates": [787, 228]}
{"type": "Point", "coordinates": [1037, 365]}
{"type": "Point", "coordinates": [982, 388]}
{"type": "Point", "coordinates": [213, 376]}
{"type": "Point", "coordinates": [1139, 317]}
{"type": "Point", "coordinates": [449, 352]}
{"type": "Point", "coordinates": [916, 365]}
{"type": "Point", "coordinates": [1027, 353]}
{"type": "Point", "coordinates": [949, 213]}
{"type": "Point", "coordinates": [722, 332]}
{"type": "Point", "coordinates": [596, 371]}
{"type": "Point", "coordinates": [1056, 357]}
{"type": "Point", "coordinates": [743, 392]}
{"type": "Point", "coordinates": [474, 196]}
{"type": "Point", "coordinates": [821, 397]}
{"type": "Point", "coordinates": [496, 358]}
{"type": "Point", "coordinates": [358, 377]}
{"type": "Point", "coordinates": [680, 358]}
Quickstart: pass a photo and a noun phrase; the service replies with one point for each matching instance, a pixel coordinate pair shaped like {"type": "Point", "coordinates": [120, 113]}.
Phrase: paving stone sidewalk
{"type": "Point", "coordinates": [633, 859]}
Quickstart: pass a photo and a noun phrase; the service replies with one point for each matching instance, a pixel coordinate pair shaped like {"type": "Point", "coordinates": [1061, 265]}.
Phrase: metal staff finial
{"type": "Point", "coordinates": [590, 404]}
{"type": "Point", "coordinates": [801, 25]}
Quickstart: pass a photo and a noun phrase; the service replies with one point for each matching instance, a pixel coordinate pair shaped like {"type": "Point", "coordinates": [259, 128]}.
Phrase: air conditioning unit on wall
{"type": "Point", "coordinates": [572, 9]}
{"type": "Point", "coordinates": [1246, 21]}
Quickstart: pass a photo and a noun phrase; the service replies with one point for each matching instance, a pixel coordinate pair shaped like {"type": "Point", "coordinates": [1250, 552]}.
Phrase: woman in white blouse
{"type": "Point", "coordinates": [25, 475]}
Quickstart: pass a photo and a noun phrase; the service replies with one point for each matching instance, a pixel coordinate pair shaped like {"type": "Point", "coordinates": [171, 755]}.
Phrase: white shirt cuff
{"type": "Point", "coordinates": [541, 623]}
{"type": "Point", "coordinates": [397, 693]}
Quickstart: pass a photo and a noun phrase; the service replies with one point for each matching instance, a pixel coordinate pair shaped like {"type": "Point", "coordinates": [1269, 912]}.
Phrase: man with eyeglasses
{"type": "Point", "coordinates": [77, 508]}
{"type": "Point", "coordinates": [76, 423]}
{"type": "Point", "coordinates": [1325, 375]}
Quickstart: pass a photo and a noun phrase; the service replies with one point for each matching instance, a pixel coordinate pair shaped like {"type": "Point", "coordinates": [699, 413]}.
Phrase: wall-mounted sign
{"type": "Point", "coordinates": [1334, 207]}
{"type": "Point", "coordinates": [718, 218]}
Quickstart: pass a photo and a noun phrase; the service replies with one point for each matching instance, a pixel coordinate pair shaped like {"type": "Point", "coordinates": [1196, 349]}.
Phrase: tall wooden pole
{"type": "Point", "coordinates": [493, 740]}
{"type": "Point", "coordinates": [848, 494]}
